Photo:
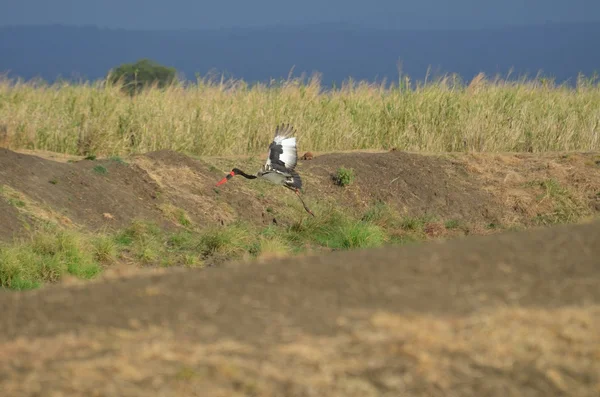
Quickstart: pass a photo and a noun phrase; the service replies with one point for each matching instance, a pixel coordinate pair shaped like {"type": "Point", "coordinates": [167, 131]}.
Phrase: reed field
{"type": "Point", "coordinates": [214, 118]}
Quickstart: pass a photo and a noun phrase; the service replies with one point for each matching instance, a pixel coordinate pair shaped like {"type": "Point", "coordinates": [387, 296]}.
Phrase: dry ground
{"type": "Point", "coordinates": [507, 314]}
{"type": "Point", "coordinates": [512, 314]}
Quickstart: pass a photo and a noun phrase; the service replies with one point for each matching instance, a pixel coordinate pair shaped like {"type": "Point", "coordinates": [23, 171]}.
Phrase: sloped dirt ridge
{"type": "Point", "coordinates": [77, 194]}
{"type": "Point", "coordinates": [511, 189]}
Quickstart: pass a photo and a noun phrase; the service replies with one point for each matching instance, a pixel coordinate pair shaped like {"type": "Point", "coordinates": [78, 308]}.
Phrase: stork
{"type": "Point", "coordinates": [280, 165]}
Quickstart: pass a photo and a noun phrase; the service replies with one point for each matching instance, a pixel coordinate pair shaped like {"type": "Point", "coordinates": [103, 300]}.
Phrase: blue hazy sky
{"type": "Point", "coordinates": [199, 14]}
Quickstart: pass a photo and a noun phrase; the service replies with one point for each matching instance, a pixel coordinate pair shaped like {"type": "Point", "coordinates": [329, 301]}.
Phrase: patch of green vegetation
{"type": "Point", "coordinates": [566, 207]}
{"type": "Point", "coordinates": [415, 224]}
{"type": "Point", "coordinates": [47, 257]}
{"type": "Point", "coordinates": [176, 214]}
{"type": "Point", "coordinates": [118, 160]}
{"type": "Point", "coordinates": [91, 157]}
{"type": "Point", "coordinates": [104, 249]}
{"type": "Point", "coordinates": [50, 254]}
{"type": "Point", "coordinates": [100, 169]}
{"type": "Point", "coordinates": [53, 181]}
{"type": "Point", "coordinates": [183, 218]}
{"type": "Point", "coordinates": [452, 224]}
{"type": "Point", "coordinates": [146, 243]}
{"type": "Point", "coordinates": [16, 202]}
{"type": "Point", "coordinates": [336, 230]}
{"type": "Point", "coordinates": [353, 235]}
{"type": "Point", "coordinates": [225, 241]}
{"type": "Point", "coordinates": [11, 196]}
{"type": "Point", "coordinates": [379, 212]}
{"type": "Point", "coordinates": [143, 242]}
{"type": "Point", "coordinates": [344, 176]}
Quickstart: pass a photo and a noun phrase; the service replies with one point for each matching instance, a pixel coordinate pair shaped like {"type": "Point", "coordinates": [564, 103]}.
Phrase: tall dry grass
{"type": "Point", "coordinates": [230, 118]}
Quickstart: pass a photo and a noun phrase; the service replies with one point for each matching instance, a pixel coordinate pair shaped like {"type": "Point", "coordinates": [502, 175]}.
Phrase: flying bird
{"type": "Point", "coordinates": [280, 165]}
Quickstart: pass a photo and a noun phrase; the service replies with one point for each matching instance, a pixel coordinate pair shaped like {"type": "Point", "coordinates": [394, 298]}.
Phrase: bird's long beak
{"type": "Point", "coordinates": [228, 177]}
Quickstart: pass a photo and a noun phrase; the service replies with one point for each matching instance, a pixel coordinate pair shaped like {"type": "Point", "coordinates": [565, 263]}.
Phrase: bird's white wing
{"type": "Point", "coordinates": [283, 155]}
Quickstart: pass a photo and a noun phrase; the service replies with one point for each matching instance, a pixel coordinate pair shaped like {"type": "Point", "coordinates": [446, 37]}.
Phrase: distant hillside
{"type": "Point", "coordinates": [336, 51]}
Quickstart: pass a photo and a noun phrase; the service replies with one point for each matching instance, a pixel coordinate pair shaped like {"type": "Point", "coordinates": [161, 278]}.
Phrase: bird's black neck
{"type": "Point", "coordinates": [237, 171]}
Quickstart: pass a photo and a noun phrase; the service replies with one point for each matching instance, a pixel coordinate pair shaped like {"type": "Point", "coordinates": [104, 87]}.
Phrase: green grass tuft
{"type": "Point", "coordinates": [100, 169]}
{"type": "Point", "coordinates": [228, 241]}
{"type": "Point", "coordinates": [47, 257]}
{"type": "Point", "coordinates": [105, 249]}
{"type": "Point", "coordinates": [382, 215]}
{"type": "Point", "coordinates": [567, 208]}
{"type": "Point", "coordinates": [344, 176]}
{"type": "Point", "coordinates": [415, 224]}
{"type": "Point", "coordinates": [336, 230]}
{"type": "Point", "coordinates": [355, 235]}
{"type": "Point", "coordinates": [176, 214]}
{"type": "Point", "coordinates": [118, 160]}
{"type": "Point", "coordinates": [452, 224]}
{"type": "Point", "coordinates": [16, 202]}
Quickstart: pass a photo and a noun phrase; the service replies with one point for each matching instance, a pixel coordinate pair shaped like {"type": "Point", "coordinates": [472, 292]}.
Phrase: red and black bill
{"type": "Point", "coordinates": [228, 177]}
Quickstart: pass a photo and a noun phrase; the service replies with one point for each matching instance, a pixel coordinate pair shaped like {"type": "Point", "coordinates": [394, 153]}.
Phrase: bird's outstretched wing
{"type": "Point", "coordinates": [283, 155]}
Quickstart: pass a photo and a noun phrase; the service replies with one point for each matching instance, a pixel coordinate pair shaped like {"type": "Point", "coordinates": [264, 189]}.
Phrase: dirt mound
{"type": "Point", "coordinates": [483, 189]}
{"type": "Point", "coordinates": [418, 185]}
{"type": "Point", "coordinates": [9, 219]}
{"type": "Point", "coordinates": [190, 184]}
{"type": "Point", "coordinates": [476, 316]}
{"type": "Point", "coordinates": [496, 189]}
{"type": "Point", "coordinates": [78, 193]}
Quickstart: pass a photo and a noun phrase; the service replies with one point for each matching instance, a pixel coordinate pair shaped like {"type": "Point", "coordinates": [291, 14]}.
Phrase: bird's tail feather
{"type": "Point", "coordinates": [297, 181]}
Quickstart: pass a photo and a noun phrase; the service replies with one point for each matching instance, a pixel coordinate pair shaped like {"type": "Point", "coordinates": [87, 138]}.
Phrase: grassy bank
{"type": "Point", "coordinates": [233, 118]}
{"type": "Point", "coordinates": [51, 253]}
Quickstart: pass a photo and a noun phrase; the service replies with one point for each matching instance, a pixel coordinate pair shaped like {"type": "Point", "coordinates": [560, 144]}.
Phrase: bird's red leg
{"type": "Point", "coordinates": [305, 207]}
